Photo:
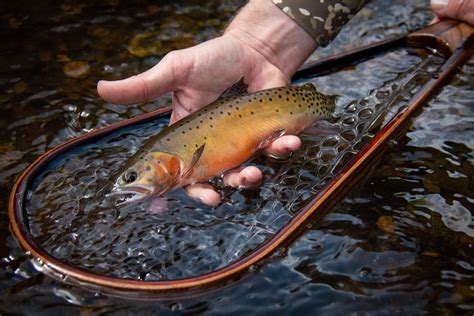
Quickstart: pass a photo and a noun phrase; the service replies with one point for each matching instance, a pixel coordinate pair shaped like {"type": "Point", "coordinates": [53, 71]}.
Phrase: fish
{"type": "Point", "coordinates": [220, 137]}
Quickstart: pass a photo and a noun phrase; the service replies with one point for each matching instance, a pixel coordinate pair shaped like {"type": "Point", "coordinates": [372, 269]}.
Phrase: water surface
{"type": "Point", "coordinates": [401, 242]}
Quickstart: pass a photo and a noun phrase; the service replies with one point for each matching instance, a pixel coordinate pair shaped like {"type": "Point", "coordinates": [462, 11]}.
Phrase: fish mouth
{"type": "Point", "coordinates": [136, 188]}
{"type": "Point", "coordinates": [131, 193]}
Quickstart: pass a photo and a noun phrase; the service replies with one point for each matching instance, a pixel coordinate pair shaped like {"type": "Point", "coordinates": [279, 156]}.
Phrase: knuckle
{"type": "Point", "coordinates": [459, 8]}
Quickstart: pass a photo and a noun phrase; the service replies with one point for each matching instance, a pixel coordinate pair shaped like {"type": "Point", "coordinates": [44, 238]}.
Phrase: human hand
{"type": "Point", "coordinates": [456, 9]}
{"type": "Point", "coordinates": [262, 45]}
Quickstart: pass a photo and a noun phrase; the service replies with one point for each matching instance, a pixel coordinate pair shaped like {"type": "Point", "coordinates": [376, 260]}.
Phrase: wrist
{"type": "Point", "coordinates": [269, 31]}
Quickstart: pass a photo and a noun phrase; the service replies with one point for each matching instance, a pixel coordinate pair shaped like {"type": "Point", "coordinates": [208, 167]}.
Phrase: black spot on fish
{"type": "Point", "coordinates": [251, 112]}
{"type": "Point", "coordinates": [168, 139]}
{"type": "Point", "coordinates": [240, 115]}
{"type": "Point", "coordinates": [228, 113]}
{"type": "Point", "coordinates": [261, 100]}
{"type": "Point", "coordinates": [183, 132]}
{"type": "Point", "coordinates": [270, 100]}
{"type": "Point", "coordinates": [287, 99]}
{"type": "Point", "coordinates": [148, 168]}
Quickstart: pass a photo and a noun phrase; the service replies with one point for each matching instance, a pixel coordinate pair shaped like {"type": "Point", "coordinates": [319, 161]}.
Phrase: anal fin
{"type": "Point", "coordinates": [321, 128]}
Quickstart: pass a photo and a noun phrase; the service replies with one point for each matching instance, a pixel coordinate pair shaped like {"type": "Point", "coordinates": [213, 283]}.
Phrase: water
{"type": "Point", "coordinates": [402, 241]}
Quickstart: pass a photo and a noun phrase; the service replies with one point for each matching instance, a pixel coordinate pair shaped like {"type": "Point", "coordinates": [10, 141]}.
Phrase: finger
{"type": "Point", "coordinates": [179, 111]}
{"type": "Point", "coordinates": [187, 101]}
{"type": "Point", "coordinates": [247, 178]}
{"type": "Point", "coordinates": [143, 87]}
{"type": "Point", "coordinates": [204, 193]}
{"type": "Point", "coordinates": [456, 9]}
{"type": "Point", "coordinates": [283, 146]}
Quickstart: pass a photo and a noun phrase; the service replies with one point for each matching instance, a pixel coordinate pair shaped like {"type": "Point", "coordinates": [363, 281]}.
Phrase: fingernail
{"type": "Point", "coordinates": [439, 4]}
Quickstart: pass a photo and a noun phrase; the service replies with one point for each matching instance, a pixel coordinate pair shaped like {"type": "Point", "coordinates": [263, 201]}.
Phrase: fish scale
{"type": "Point", "coordinates": [225, 134]}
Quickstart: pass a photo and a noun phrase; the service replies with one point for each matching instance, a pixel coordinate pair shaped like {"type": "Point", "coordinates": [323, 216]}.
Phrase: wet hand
{"type": "Point", "coordinates": [455, 9]}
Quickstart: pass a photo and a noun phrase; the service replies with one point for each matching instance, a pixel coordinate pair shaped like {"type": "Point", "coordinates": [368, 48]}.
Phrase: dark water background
{"type": "Point", "coordinates": [401, 242]}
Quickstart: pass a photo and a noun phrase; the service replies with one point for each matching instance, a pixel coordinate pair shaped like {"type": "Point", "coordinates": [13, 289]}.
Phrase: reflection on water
{"type": "Point", "coordinates": [401, 242]}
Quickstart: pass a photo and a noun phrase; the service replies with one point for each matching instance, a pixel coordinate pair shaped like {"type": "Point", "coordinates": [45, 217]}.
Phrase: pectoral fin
{"type": "Point", "coordinates": [270, 138]}
{"type": "Point", "coordinates": [197, 154]}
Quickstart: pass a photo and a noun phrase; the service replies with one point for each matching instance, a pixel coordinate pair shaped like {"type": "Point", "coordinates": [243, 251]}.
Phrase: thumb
{"type": "Point", "coordinates": [143, 87]}
{"type": "Point", "coordinates": [456, 9]}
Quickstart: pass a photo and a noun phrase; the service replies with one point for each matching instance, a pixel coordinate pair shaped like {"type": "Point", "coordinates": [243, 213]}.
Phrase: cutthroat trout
{"type": "Point", "coordinates": [219, 137]}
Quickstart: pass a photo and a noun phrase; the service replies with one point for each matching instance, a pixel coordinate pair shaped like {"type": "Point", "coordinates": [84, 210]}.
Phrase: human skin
{"type": "Point", "coordinates": [455, 9]}
{"type": "Point", "coordinates": [262, 45]}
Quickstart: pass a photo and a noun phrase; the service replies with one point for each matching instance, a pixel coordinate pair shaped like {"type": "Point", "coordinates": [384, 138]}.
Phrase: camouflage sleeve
{"type": "Point", "coordinates": [322, 19]}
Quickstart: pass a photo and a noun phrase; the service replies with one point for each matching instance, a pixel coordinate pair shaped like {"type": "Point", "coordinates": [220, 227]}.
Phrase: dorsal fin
{"type": "Point", "coordinates": [238, 88]}
{"type": "Point", "coordinates": [197, 154]}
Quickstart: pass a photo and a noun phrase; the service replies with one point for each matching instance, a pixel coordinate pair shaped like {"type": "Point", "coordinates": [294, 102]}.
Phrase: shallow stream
{"type": "Point", "coordinates": [400, 242]}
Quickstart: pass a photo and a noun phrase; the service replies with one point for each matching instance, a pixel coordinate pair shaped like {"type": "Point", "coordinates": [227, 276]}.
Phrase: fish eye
{"type": "Point", "coordinates": [130, 176]}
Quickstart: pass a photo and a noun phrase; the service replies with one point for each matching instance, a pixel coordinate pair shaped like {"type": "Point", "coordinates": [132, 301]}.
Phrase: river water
{"type": "Point", "coordinates": [399, 242]}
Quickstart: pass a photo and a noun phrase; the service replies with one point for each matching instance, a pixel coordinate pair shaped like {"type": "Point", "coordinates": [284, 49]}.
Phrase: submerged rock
{"type": "Point", "coordinates": [76, 69]}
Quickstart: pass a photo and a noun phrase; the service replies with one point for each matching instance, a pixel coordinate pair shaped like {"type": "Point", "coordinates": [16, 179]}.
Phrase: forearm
{"type": "Point", "coordinates": [264, 27]}
{"type": "Point", "coordinates": [286, 32]}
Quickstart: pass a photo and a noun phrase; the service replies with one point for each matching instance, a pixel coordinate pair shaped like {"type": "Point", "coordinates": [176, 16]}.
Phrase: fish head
{"type": "Point", "coordinates": [153, 173]}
